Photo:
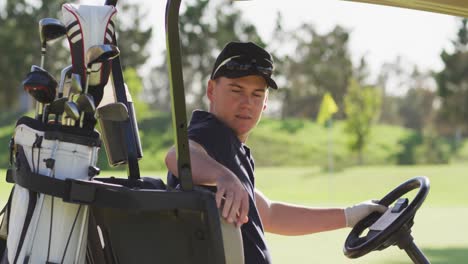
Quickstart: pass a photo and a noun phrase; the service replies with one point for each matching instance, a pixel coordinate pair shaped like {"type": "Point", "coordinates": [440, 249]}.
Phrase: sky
{"type": "Point", "coordinates": [378, 32]}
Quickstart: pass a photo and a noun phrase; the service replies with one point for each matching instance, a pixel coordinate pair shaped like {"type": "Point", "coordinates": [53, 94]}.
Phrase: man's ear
{"type": "Point", "coordinates": [210, 89]}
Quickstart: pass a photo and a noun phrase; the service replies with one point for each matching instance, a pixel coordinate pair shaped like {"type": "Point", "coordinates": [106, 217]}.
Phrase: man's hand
{"type": "Point", "coordinates": [357, 212]}
{"type": "Point", "coordinates": [232, 198]}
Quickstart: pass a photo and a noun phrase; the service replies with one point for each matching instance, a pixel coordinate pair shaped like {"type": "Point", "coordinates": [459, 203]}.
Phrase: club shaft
{"type": "Point", "coordinates": [88, 74]}
{"type": "Point", "coordinates": [43, 52]}
{"type": "Point", "coordinates": [40, 106]}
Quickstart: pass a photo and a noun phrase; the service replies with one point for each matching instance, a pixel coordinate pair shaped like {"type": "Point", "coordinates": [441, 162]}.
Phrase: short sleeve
{"type": "Point", "coordinates": [212, 137]}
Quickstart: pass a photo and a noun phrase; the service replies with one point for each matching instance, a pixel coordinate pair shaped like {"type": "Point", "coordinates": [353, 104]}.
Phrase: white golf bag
{"type": "Point", "coordinates": [39, 226]}
{"type": "Point", "coordinates": [43, 222]}
{"type": "Point", "coordinates": [42, 228]}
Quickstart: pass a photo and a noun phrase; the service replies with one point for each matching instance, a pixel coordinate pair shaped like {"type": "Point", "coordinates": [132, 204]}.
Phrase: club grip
{"type": "Point", "coordinates": [111, 2]}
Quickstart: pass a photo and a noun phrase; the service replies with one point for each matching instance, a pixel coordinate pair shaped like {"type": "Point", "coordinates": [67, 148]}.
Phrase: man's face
{"type": "Point", "coordinates": [238, 102]}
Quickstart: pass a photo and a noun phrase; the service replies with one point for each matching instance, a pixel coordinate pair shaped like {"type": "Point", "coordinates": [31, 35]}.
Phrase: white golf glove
{"type": "Point", "coordinates": [357, 212]}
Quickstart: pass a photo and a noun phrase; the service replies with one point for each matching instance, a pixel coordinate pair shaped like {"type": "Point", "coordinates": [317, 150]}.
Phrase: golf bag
{"type": "Point", "coordinates": [41, 227]}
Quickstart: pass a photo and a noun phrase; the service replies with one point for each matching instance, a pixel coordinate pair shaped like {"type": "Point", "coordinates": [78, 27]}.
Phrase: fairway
{"type": "Point", "coordinates": [441, 225]}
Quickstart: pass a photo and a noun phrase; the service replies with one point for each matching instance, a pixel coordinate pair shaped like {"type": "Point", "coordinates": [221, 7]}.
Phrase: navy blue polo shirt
{"type": "Point", "coordinates": [221, 143]}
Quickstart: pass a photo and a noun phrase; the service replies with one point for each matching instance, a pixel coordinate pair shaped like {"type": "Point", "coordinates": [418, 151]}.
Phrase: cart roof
{"type": "Point", "coordinates": [450, 7]}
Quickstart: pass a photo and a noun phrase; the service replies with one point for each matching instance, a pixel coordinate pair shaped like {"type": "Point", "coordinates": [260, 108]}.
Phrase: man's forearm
{"type": "Point", "coordinates": [205, 169]}
{"type": "Point", "coordinates": [293, 220]}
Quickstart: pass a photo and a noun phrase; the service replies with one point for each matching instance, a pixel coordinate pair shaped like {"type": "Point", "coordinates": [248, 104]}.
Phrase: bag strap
{"type": "Point", "coordinates": [29, 213]}
{"type": "Point", "coordinates": [35, 182]}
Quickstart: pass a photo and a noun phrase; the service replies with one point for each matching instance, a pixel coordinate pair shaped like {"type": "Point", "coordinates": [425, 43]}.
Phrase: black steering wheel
{"type": "Point", "coordinates": [393, 227]}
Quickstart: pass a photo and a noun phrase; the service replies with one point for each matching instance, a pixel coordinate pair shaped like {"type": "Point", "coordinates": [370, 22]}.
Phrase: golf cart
{"type": "Point", "coordinates": [391, 228]}
{"type": "Point", "coordinates": [139, 220]}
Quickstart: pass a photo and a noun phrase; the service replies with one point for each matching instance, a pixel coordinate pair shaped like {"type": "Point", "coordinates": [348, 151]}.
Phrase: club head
{"type": "Point", "coordinates": [51, 29]}
{"type": "Point", "coordinates": [64, 74]}
{"type": "Point", "coordinates": [57, 107]}
{"type": "Point", "coordinates": [75, 87]}
{"type": "Point", "coordinates": [37, 68]}
{"type": "Point", "coordinates": [85, 103]}
{"type": "Point", "coordinates": [113, 112]}
{"type": "Point", "coordinates": [71, 110]}
{"type": "Point", "coordinates": [101, 53]}
{"type": "Point", "coordinates": [41, 85]}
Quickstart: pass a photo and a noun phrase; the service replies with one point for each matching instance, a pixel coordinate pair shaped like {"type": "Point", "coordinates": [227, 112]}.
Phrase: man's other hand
{"type": "Point", "coordinates": [357, 212]}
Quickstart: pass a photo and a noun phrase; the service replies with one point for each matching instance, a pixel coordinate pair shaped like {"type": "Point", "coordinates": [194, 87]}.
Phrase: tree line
{"type": "Point", "coordinates": [308, 64]}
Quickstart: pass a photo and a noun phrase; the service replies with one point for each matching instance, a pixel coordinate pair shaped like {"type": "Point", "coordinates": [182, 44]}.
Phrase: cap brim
{"type": "Point", "coordinates": [271, 83]}
{"type": "Point", "coordinates": [237, 74]}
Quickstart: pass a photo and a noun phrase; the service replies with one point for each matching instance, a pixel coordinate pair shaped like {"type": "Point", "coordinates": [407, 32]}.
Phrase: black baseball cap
{"type": "Point", "coordinates": [239, 59]}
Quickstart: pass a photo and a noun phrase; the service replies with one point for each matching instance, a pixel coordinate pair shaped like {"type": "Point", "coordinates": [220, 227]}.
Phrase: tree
{"type": "Point", "coordinates": [416, 108]}
{"type": "Point", "coordinates": [204, 31]}
{"type": "Point", "coordinates": [19, 40]}
{"type": "Point", "coordinates": [131, 36]}
{"type": "Point", "coordinates": [135, 87]}
{"type": "Point", "coordinates": [319, 63]}
{"type": "Point", "coordinates": [452, 84]}
{"type": "Point", "coordinates": [362, 105]}
{"type": "Point", "coordinates": [20, 44]}
{"type": "Point", "coordinates": [393, 79]}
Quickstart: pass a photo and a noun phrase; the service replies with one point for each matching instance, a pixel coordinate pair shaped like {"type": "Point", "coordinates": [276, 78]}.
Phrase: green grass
{"type": "Point", "coordinates": [439, 232]}
{"type": "Point", "coordinates": [441, 225]}
{"type": "Point", "coordinates": [311, 185]}
{"type": "Point", "coordinates": [294, 142]}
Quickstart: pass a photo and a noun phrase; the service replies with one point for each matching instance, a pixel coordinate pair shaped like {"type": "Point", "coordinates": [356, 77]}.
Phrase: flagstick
{"type": "Point", "coordinates": [330, 158]}
{"type": "Point", "coordinates": [327, 108]}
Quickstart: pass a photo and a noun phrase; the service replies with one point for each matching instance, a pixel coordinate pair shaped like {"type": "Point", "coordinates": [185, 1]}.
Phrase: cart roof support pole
{"type": "Point", "coordinates": [176, 80]}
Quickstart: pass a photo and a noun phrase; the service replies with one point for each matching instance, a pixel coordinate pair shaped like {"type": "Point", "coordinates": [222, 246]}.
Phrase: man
{"type": "Point", "coordinates": [238, 94]}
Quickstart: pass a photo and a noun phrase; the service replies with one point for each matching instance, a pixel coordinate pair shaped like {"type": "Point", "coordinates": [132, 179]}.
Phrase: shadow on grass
{"type": "Point", "coordinates": [451, 255]}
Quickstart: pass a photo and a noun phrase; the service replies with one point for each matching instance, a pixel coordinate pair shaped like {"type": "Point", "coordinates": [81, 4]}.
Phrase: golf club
{"type": "Point", "coordinates": [70, 106]}
{"type": "Point", "coordinates": [49, 29]}
{"type": "Point", "coordinates": [113, 112]}
{"type": "Point", "coordinates": [42, 87]}
{"type": "Point", "coordinates": [64, 74]}
{"type": "Point", "coordinates": [97, 54]}
{"type": "Point", "coordinates": [71, 111]}
{"type": "Point", "coordinates": [40, 108]}
{"type": "Point", "coordinates": [36, 68]}
{"type": "Point", "coordinates": [85, 103]}
{"type": "Point", "coordinates": [57, 106]}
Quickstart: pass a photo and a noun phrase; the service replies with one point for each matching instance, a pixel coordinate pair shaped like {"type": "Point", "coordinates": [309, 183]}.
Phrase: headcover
{"type": "Point", "coordinates": [88, 26]}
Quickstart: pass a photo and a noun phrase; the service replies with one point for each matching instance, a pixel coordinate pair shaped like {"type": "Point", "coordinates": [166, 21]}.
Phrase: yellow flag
{"type": "Point", "coordinates": [327, 108]}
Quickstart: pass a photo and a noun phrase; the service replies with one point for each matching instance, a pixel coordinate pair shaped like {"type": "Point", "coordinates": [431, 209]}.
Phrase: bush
{"type": "Point", "coordinates": [418, 148]}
